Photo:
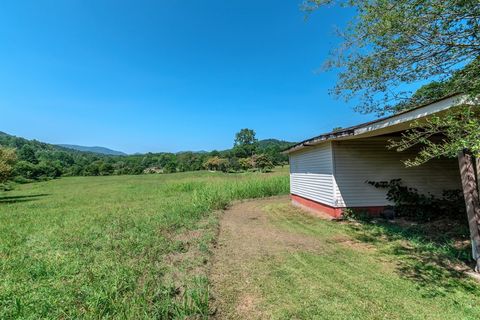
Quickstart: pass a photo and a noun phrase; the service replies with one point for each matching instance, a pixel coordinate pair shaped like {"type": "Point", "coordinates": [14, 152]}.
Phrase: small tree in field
{"type": "Point", "coordinates": [246, 163]}
{"type": "Point", "coordinates": [216, 164]}
{"type": "Point", "coordinates": [7, 160]}
{"type": "Point", "coordinates": [262, 162]}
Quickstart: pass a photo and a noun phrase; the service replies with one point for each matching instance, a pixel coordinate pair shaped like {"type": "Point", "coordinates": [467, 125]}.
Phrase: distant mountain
{"type": "Point", "coordinates": [98, 150]}
{"type": "Point", "coordinates": [265, 145]}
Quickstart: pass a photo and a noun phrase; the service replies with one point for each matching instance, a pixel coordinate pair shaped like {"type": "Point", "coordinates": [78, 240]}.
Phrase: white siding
{"type": "Point", "coordinates": [357, 161]}
{"type": "Point", "coordinates": [311, 174]}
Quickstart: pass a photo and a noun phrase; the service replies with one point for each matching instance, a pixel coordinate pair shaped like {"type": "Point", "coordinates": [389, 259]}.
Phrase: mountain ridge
{"type": "Point", "coordinates": [94, 149]}
{"type": "Point", "coordinates": [262, 144]}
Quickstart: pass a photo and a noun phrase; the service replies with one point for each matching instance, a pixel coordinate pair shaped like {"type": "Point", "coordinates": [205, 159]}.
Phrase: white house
{"type": "Point", "coordinates": [328, 173]}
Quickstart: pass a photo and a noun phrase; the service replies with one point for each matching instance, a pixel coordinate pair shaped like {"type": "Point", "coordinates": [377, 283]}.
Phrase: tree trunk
{"type": "Point", "coordinates": [470, 191]}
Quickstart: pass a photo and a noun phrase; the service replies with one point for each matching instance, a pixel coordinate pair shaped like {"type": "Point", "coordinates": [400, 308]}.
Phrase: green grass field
{"type": "Point", "coordinates": [361, 272]}
{"type": "Point", "coordinates": [119, 247]}
{"type": "Point", "coordinates": [138, 247]}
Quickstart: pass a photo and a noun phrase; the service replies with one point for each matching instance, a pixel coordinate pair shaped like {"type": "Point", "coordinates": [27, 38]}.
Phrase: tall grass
{"type": "Point", "coordinates": [116, 247]}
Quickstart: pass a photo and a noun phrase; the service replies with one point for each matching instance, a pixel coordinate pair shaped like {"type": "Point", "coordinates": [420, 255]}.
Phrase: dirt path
{"type": "Point", "coordinates": [248, 235]}
{"type": "Point", "coordinates": [273, 261]}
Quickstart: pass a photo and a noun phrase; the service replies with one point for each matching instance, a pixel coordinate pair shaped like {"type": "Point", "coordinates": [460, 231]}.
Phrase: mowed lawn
{"type": "Point", "coordinates": [364, 271]}
{"type": "Point", "coordinates": [277, 262]}
{"type": "Point", "coordinates": [116, 247]}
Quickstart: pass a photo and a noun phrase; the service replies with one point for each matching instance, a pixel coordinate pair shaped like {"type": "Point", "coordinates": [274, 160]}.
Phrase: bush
{"type": "Point", "coordinates": [216, 164]}
{"type": "Point", "coordinates": [6, 187]}
{"type": "Point", "coordinates": [262, 162]}
{"type": "Point", "coordinates": [7, 160]}
{"type": "Point", "coordinates": [408, 202]}
{"type": "Point", "coordinates": [26, 170]}
{"type": "Point", "coordinates": [246, 163]}
{"type": "Point", "coordinates": [170, 167]}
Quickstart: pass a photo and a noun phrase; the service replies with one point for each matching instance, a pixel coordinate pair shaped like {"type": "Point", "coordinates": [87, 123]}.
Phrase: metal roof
{"type": "Point", "coordinates": [350, 131]}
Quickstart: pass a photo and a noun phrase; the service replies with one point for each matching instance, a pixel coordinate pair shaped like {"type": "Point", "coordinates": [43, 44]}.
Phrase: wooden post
{"type": "Point", "coordinates": [472, 201]}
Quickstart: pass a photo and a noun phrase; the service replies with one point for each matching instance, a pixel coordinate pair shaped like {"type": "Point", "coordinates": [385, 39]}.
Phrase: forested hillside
{"type": "Point", "coordinates": [39, 161]}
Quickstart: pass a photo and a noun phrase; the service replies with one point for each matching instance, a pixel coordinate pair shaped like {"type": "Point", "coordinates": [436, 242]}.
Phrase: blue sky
{"type": "Point", "coordinates": [162, 75]}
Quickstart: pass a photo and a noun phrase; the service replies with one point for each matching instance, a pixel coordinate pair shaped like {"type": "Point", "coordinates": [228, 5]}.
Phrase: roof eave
{"type": "Point", "coordinates": [352, 131]}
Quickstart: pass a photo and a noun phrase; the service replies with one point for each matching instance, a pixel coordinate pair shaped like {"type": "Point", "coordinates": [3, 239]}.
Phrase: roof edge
{"type": "Point", "coordinates": [350, 131]}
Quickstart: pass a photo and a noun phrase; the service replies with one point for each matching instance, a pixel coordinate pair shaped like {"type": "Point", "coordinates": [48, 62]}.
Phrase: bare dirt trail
{"type": "Point", "coordinates": [247, 235]}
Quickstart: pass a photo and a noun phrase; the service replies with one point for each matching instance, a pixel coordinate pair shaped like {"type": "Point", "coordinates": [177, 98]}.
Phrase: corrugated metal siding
{"type": "Point", "coordinates": [311, 174]}
{"type": "Point", "coordinates": [357, 161]}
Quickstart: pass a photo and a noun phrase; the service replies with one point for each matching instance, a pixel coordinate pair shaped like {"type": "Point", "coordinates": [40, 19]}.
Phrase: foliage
{"type": "Point", "coordinates": [248, 153]}
{"type": "Point", "coordinates": [216, 164]}
{"type": "Point", "coordinates": [170, 167]}
{"type": "Point", "coordinates": [395, 42]}
{"type": "Point", "coordinates": [131, 247]}
{"type": "Point", "coordinates": [246, 163]}
{"type": "Point", "coordinates": [408, 202]}
{"type": "Point", "coordinates": [7, 160]}
{"type": "Point", "coordinates": [442, 136]}
{"type": "Point", "coordinates": [274, 150]}
{"type": "Point", "coordinates": [27, 153]}
{"type": "Point", "coordinates": [41, 161]}
{"type": "Point", "coordinates": [245, 144]}
{"type": "Point", "coordinates": [466, 78]}
{"type": "Point", "coordinates": [245, 137]}
{"type": "Point", "coordinates": [262, 162]}
{"type": "Point", "coordinates": [190, 161]}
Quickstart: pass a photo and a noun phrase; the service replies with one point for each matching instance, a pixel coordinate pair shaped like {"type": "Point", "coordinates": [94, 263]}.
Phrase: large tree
{"type": "Point", "coordinates": [459, 128]}
{"type": "Point", "coordinates": [390, 43]}
{"type": "Point", "coordinates": [245, 144]}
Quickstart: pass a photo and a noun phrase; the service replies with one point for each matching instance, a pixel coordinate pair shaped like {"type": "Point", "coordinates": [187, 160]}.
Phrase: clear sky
{"type": "Point", "coordinates": [166, 75]}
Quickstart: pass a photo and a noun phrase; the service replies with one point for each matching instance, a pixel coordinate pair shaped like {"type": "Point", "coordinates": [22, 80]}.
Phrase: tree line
{"type": "Point", "coordinates": [25, 160]}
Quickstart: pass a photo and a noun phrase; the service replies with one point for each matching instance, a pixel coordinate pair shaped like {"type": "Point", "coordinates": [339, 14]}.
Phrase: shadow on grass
{"type": "Point", "coordinates": [22, 198]}
{"type": "Point", "coordinates": [435, 264]}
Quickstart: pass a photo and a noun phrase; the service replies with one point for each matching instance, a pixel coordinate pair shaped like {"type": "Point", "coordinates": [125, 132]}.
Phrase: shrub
{"type": "Point", "coordinates": [408, 202]}
{"type": "Point", "coordinates": [216, 164]}
{"type": "Point", "coordinates": [246, 163]}
{"type": "Point", "coordinates": [26, 170]}
{"type": "Point", "coordinates": [7, 160]}
{"type": "Point", "coordinates": [262, 162]}
{"type": "Point", "coordinates": [170, 167]}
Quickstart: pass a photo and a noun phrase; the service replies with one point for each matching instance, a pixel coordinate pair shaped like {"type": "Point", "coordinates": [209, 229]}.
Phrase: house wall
{"type": "Point", "coordinates": [311, 174]}
{"type": "Point", "coordinates": [356, 161]}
